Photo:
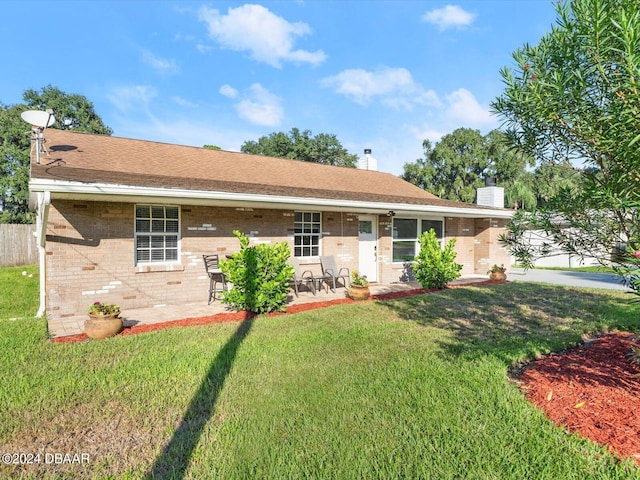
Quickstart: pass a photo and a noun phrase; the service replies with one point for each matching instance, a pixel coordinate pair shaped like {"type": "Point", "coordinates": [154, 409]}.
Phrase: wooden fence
{"type": "Point", "coordinates": [18, 245]}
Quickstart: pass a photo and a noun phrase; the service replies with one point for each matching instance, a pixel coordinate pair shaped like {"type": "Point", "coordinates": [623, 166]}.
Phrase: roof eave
{"type": "Point", "coordinates": [127, 193]}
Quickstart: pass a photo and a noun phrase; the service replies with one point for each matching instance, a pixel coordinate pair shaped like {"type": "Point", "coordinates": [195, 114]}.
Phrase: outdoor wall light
{"type": "Point", "coordinates": [391, 213]}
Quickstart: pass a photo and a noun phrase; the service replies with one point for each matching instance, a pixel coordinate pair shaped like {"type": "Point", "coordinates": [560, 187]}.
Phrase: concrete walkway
{"type": "Point", "coordinates": [607, 281]}
{"type": "Point", "coordinates": [167, 313]}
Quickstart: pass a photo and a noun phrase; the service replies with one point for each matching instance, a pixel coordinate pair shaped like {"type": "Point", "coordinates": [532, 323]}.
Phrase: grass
{"type": "Point", "coordinates": [413, 388]}
{"type": "Point", "coordinates": [586, 269]}
{"type": "Point", "coordinates": [19, 287]}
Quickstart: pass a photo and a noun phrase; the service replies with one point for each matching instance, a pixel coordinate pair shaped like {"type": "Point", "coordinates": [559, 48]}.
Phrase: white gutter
{"type": "Point", "coordinates": [103, 191]}
{"type": "Point", "coordinates": [42, 214]}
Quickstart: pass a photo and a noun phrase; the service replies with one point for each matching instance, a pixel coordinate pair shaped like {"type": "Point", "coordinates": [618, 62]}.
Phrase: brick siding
{"type": "Point", "coordinates": [90, 252]}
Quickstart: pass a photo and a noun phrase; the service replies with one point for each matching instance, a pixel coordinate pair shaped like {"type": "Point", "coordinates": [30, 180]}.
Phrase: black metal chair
{"type": "Point", "coordinates": [333, 273]}
{"type": "Point", "coordinates": [215, 276]}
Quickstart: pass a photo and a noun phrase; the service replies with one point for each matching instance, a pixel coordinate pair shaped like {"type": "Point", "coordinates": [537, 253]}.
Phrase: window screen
{"type": "Point", "coordinates": [307, 228]}
{"type": "Point", "coordinates": [157, 232]}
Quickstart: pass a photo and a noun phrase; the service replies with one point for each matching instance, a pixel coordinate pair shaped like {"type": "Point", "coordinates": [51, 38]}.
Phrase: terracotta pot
{"type": "Point", "coordinates": [357, 292]}
{"type": "Point", "coordinates": [102, 326]}
{"type": "Point", "coordinates": [498, 276]}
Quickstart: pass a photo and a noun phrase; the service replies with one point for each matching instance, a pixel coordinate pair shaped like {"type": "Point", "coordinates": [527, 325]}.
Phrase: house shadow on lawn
{"type": "Point", "coordinates": [514, 322]}
{"type": "Point", "coordinates": [174, 460]}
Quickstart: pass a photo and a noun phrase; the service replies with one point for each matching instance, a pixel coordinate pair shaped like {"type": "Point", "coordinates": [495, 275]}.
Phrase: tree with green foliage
{"type": "Point", "coordinates": [505, 163]}
{"type": "Point", "coordinates": [455, 167]}
{"type": "Point", "coordinates": [550, 178]}
{"type": "Point", "coordinates": [15, 145]}
{"type": "Point", "coordinates": [302, 145]}
{"type": "Point", "coordinates": [574, 98]}
{"type": "Point", "coordinates": [434, 266]}
{"type": "Point", "coordinates": [520, 195]}
{"type": "Point", "coordinates": [72, 112]}
{"type": "Point", "coordinates": [452, 169]}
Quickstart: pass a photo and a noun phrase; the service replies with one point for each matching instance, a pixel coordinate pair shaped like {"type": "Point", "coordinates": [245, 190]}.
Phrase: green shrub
{"type": "Point", "coordinates": [260, 276]}
{"type": "Point", "coordinates": [435, 267]}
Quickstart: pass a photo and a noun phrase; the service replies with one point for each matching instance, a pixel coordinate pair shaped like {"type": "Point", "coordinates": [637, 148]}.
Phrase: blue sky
{"type": "Point", "coordinates": [378, 74]}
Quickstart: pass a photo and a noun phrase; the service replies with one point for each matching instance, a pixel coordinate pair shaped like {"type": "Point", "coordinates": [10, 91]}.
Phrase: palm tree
{"type": "Point", "coordinates": [520, 195]}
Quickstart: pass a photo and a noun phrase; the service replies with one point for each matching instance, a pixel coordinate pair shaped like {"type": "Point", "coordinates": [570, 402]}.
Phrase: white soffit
{"type": "Point", "coordinates": [127, 193]}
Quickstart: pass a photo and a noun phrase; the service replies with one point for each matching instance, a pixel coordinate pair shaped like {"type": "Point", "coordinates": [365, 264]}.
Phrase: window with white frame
{"type": "Point", "coordinates": [307, 228]}
{"type": "Point", "coordinates": [405, 236]}
{"type": "Point", "coordinates": [157, 233]}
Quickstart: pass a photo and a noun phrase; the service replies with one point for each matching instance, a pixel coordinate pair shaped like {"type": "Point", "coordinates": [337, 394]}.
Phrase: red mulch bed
{"type": "Point", "coordinates": [593, 390]}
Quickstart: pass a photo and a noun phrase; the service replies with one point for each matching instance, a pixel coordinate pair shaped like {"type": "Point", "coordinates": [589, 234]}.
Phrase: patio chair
{"type": "Point", "coordinates": [215, 276]}
{"type": "Point", "coordinates": [302, 277]}
{"type": "Point", "coordinates": [331, 271]}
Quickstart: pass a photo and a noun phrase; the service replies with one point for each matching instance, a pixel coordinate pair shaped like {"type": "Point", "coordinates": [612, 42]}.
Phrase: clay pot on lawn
{"type": "Point", "coordinates": [102, 326]}
{"type": "Point", "coordinates": [498, 276]}
{"type": "Point", "coordinates": [357, 292]}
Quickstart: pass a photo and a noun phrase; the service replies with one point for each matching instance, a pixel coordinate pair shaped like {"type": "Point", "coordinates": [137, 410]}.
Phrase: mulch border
{"type": "Point", "coordinates": [246, 315]}
{"type": "Point", "coordinates": [591, 390]}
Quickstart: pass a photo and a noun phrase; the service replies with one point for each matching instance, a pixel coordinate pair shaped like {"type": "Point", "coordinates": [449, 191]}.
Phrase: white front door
{"type": "Point", "coordinates": [368, 246]}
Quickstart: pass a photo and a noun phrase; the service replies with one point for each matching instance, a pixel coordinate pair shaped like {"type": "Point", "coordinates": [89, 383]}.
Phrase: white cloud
{"type": "Point", "coordinates": [184, 102]}
{"type": "Point", "coordinates": [451, 16]}
{"type": "Point", "coordinates": [228, 91]}
{"type": "Point", "coordinates": [186, 38]}
{"type": "Point", "coordinates": [194, 131]}
{"type": "Point", "coordinates": [267, 37]}
{"type": "Point", "coordinates": [160, 64]}
{"type": "Point", "coordinates": [460, 109]}
{"type": "Point", "coordinates": [426, 133]}
{"type": "Point", "coordinates": [464, 109]}
{"type": "Point", "coordinates": [203, 48]}
{"type": "Point", "coordinates": [260, 106]}
{"type": "Point", "coordinates": [394, 86]}
{"type": "Point", "coordinates": [131, 97]}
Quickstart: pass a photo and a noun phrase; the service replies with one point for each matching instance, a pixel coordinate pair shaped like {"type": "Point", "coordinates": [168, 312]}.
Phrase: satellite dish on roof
{"type": "Point", "coordinates": [38, 118]}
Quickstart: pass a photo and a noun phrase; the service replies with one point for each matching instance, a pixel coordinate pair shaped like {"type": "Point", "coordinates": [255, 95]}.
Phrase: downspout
{"type": "Point", "coordinates": [42, 216]}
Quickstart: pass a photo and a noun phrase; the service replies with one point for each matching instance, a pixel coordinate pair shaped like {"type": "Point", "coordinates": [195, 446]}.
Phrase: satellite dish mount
{"type": "Point", "coordinates": [39, 121]}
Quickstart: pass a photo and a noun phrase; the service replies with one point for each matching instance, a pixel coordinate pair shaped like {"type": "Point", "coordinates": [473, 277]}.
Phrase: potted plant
{"type": "Point", "coordinates": [359, 287]}
{"type": "Point", "coordinates": [497, 273]}
{"type": "Point", "coordinates": [103, 320]}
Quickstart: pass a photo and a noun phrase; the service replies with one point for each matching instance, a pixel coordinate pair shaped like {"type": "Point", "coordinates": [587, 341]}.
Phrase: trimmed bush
{"type": "Point", "coordinates": [260, 276]}
{"type": "Point", "coordinates": [435, 267]}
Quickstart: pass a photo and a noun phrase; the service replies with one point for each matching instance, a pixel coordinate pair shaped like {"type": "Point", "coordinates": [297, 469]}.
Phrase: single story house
{"type": "Point", "coordinates": [127, 221]}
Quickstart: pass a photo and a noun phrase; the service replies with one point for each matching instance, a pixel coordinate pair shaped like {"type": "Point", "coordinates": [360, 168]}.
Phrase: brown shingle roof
{"type": "Point", "coordinates": [89, 158]}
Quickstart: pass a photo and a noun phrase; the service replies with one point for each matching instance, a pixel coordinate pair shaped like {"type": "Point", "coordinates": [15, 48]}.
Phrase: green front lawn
{"type": "Point", "coordinates": [19, 291]}
{"type": "Point", "coordinates": [586, 269]}
{"type": "Point", "coordinates": [413, 388]}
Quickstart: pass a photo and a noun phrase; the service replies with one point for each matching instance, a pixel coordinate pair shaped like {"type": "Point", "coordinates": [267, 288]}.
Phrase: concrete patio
{"type": "Point", "coordinates": [166, 313]}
